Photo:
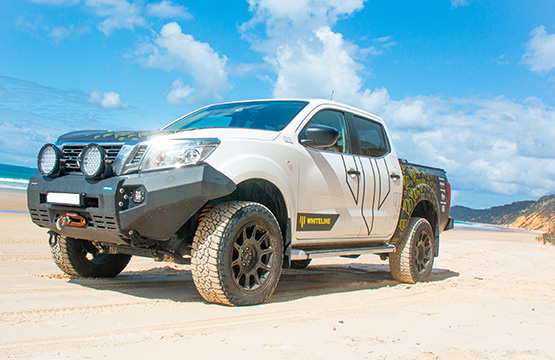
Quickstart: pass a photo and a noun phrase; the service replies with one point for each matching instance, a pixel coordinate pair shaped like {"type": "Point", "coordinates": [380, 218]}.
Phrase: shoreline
{"type": "Point", "coordinates": [468, 225]}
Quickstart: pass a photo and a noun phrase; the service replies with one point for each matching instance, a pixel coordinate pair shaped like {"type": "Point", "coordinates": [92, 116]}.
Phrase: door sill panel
{"type": "Point", "coordinates": [298, 254]}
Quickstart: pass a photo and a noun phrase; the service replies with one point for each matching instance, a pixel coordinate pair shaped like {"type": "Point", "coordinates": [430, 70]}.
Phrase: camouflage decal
{"type": "Point", "coordinates": [316, 222]}
{"type": "Point", "coordinates": [419, 183]}
{"type": "Point", "coordinates": [110, 135]}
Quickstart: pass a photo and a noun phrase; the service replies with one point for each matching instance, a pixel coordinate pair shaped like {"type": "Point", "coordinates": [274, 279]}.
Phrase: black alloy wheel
{"type": "Point", "coordinates": [252, 256]}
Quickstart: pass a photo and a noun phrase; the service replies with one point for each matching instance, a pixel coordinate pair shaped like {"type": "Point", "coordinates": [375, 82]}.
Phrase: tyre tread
{"type": "Point", "coordinates": [208, 278]}
{"type": "Point", "coordinates": [400, 262]}
{"type": "Point", "coordinates": [69, 258]}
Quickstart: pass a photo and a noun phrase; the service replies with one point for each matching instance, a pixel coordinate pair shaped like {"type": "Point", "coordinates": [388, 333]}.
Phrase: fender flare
{"type": "Point", "coordinates": [411, 199]}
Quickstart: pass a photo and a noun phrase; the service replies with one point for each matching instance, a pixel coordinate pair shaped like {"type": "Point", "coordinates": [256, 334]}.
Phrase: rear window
{"type": "Point", "coordinates": [373, 140]}
{"type": "Point", "coordinates": [263, 115]}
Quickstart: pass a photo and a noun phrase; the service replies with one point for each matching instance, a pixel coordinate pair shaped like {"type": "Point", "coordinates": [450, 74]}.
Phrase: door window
{"type": "Point", "coordinates": [336, 120]}
{"type": "Point", "coordinates": [373, 140]}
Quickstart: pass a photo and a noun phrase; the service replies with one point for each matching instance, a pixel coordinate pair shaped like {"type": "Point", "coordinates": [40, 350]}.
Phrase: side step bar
{"type": "Point", "coordinates": [311, 254]}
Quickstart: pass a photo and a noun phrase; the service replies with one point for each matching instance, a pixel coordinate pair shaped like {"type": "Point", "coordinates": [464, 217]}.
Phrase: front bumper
{"type": "Point", "coordinates": [171, 198]}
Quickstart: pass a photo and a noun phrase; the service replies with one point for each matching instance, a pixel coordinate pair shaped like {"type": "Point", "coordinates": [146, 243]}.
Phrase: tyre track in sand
{"type": "Point", "coordinates": [294, 284]}
{"type": "Point", "coordinates": [37, 315]}
{"type": "Point", "coordinates": [183, 329]}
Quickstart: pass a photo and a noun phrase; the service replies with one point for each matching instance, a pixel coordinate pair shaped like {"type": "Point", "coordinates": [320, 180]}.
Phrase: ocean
{"type": "Point", "coordinates": [15, 177]}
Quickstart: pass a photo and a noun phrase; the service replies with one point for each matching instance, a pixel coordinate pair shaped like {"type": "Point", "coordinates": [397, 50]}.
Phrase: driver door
{"type": "Point", "coordinates": [330, 188]}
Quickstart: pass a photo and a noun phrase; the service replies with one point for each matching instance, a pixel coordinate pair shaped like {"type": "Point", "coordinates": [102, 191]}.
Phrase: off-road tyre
{"type": "Point", "coordinates": [300, 264]}
{"type": "Point", "coordinates": [237, 254]}
{"type": "Point", "coordinates": [413, 259]}
{"type": "Point", "coordinates": [80, 258]}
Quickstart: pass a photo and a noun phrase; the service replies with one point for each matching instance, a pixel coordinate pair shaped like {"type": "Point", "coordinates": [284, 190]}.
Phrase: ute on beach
{"type": "Point", "coordinates": [239, 191]}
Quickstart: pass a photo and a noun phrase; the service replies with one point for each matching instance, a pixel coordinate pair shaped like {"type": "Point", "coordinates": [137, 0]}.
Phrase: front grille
{"type": "Point", "coordinates": [71, 152]}
{"type": "Point", "coordinates": [139, 154]}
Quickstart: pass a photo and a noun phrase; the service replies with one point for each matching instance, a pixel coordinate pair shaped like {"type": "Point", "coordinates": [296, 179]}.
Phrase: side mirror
{"type": "Point", "coordinates": [321, 136]}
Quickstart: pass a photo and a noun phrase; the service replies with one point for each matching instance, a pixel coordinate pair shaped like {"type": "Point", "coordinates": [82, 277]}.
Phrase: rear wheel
{"type": "Point", "coordinates": [237, 254]}
{"type": "Point", "coordinates": [77, 257]}
{"type": "Point", "coordinates": [414, 258]}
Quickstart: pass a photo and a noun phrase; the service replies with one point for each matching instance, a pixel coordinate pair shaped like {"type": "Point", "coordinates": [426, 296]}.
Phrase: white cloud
{"type": "Point", "coordinates": [320, 65]}
{"type": "Point", "coordinates": [540, 51]}
{"type": "Point", "coordinates": [410, 114]}
{"type": "Point", "coordinates": [383, 39]}
{"type": "Point", "coordinates": [118, 13]}
{"type": "Point", "coordinates": [108, 100]}
{"type": "Point", "coordinates": [296, 12]}
{"type": "Point", "coordinates": [172, 50]}
{"type": "Point", "coordinates": [501, 60]}
{"type": "Point", "coordinates": [24, 24]}
{"type": "Point", "coordinates": [486, 144]}
{"type": "Point", "coordinates": [167, 9]}
{"type": "Point", "coordinates": [287, 19]}
{"type": "Point", "coordinates": [179, 94]}
{"type": "Point", "coordinates": [310, 59]}
{"type": "Point", "coordinates": [58, 33]}
{"type": "Point", "coordinates": [316, 67]}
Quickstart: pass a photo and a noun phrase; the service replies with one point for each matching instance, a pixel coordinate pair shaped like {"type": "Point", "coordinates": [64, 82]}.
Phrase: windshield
{"type": "Point", "coordinates": [264, 115]}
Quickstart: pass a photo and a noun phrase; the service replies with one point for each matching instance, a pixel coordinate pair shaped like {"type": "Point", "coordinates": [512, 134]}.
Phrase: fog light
{"type": "Point", "coordinates": [49, 161]}
{"type": "Point", "coordinates": [92, 161]}
{"type": "Point", "coordinates": [138, 196]}
{"type": "Point", "coordinates": [190, 157]}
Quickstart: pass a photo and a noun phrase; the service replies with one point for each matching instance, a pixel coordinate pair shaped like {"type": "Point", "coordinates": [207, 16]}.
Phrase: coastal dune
{"type": "Point", "coordinates": [490, 297]}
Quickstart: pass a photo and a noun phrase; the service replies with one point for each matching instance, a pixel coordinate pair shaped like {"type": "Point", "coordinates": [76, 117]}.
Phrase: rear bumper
{"type": "Point", "coordinates": [450, 224]}
{"type": "Point", "coordinates": [171, 198]}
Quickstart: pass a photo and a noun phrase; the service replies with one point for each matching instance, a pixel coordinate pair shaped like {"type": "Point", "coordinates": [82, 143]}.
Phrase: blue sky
{"type": "Point", "coordinates": [466, 85]}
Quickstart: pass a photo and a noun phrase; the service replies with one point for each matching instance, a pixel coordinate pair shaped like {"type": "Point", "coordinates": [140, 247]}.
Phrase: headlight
{"type": "Point", "coordinates": [49, 161]}
{"type": "Point", "coordinates": [92, 161]}
{"type": "Point", "coordinates": [164, 154]}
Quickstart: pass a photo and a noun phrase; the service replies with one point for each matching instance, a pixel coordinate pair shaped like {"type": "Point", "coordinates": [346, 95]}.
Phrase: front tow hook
{"type": "Point", "coordinates": [70, 219]}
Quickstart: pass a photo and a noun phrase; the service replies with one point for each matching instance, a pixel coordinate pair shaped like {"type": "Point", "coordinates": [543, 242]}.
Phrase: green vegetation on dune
{"type": "Point", "coordinates": [549, 236]}
{"type": "Point", "coordinates": [498, 215]}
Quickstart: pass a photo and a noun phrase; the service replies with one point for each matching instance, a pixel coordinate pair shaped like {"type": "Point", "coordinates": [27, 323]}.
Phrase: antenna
{"type": "Point", "coordinates": [331, 97]}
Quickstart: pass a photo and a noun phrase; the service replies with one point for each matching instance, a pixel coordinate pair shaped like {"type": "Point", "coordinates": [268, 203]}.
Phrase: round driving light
{"type": "Point", "coordinates": [49, 161]}
{"type": "Point", "coordinates": [92, 161]}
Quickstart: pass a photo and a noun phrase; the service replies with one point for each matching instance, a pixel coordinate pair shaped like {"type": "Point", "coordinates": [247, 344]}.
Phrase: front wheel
{"type": "Point", "coordinates": [414, 257]}
{"type": "Point", "coordinates": [237, 254]}
{"type": "Point", "coordinates": [77, 257]}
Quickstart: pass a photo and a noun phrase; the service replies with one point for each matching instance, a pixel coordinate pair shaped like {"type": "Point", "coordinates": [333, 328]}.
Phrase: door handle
{"type": "Point", "coordinates": [353, 172]}
{"type": "Point", "coordinates": [394, 176]}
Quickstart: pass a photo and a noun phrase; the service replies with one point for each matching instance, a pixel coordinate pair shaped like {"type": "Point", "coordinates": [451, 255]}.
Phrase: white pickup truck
{"type": "Point", "coordinates": [239, 191]}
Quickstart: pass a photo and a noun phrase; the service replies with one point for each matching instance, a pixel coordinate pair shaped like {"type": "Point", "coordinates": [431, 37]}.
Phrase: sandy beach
{"type": "Point", "coordinates": [491, 297]}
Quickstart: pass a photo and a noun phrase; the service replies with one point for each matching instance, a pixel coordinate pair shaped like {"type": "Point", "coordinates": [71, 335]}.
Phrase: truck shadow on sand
{"type": "Point", "coordinates": [170, 283]}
